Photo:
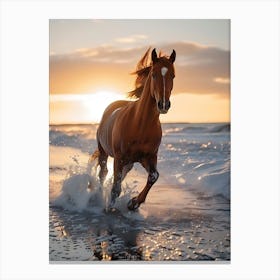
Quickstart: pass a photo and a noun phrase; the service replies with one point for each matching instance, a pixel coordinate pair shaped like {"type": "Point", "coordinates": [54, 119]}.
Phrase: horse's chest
{"type": "Point", "coordinates": [140, 147]}
{"type": "Point", "coordinates": [136, 141]}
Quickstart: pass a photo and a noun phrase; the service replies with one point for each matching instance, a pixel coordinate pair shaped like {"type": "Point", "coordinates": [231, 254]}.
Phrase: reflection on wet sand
{"type": "Point", "coordinates": [186, 216]}
{"type": "Point", "coordinates": [187, 235]}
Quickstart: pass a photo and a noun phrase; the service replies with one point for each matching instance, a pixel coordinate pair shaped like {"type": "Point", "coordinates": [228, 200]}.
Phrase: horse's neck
{"type": "Point", "coordinates": [146, 108]}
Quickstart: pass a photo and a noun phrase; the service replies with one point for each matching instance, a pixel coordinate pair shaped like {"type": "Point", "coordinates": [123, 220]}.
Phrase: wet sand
{"type": "Point", "coordinates": [186, 216]}
{"type": "Point", "coordinates": [172, 225]}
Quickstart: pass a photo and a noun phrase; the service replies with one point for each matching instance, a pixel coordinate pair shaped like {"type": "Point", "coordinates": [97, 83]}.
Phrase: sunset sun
{"type": "Point", "coordinates": [84, 108]}
{"type": "Point", "coordinates": [96, 103]}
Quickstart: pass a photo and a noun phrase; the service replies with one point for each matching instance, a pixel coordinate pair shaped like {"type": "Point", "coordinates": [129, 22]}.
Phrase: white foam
{"type": "Point", "coordinates": [82, 191]}
{"type": "Point", "coordinates": [216, 183]}
{"type": "Point", "coordinates": [76, 193]}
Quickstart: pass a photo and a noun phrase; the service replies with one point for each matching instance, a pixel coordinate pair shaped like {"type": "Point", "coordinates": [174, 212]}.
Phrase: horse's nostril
{"type": "Point", "coordinates": [160, 105]}
{"type": "Point", "coordinates": [167, 105]}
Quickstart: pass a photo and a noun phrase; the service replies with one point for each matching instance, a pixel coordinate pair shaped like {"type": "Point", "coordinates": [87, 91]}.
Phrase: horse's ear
{"type": "Point", "coordinates": [172, 57]}
{"type": "Point", "coordinates": [154, 56]}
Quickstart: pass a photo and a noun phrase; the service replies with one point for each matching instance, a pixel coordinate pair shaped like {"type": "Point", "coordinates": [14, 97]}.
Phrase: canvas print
{"type": "Point", "coordinates": [139, 140]}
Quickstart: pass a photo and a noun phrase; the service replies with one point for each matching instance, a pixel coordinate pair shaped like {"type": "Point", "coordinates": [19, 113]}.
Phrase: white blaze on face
{"type": "Point", "coordinates": [163, 72]}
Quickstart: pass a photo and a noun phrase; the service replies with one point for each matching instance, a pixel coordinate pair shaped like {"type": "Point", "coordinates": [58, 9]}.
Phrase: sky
{"type": "Point", "coordinates": [91, 62]}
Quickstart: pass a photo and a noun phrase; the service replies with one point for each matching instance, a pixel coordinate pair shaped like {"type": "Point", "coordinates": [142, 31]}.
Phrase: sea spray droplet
{"type": "Point", "coordinates": [82, 191]}
{"type": "Point", "coordinates": [76, 194]}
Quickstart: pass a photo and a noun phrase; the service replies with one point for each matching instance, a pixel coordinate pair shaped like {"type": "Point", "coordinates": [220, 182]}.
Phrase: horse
{"type": "Point", "coordinates": [130, 131]}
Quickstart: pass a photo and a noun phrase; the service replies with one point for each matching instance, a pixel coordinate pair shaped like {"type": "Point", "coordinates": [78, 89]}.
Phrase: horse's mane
{"type": "Point", "coordinates": [142, 71]}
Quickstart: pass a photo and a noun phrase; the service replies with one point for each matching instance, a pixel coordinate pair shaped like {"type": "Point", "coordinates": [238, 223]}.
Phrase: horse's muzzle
{"type": "Point", "coordinates": [163, 107]}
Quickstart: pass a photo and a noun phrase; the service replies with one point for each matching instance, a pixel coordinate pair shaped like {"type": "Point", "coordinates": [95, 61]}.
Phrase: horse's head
{"type": "Point", "coordinates": [162, 80]}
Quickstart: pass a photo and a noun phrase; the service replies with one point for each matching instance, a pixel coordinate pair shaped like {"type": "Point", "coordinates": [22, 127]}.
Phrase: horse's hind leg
{"type": "Point", "coordinates": [151, 167]}
{"type": "Point", "coordinates": [102, 161]}
{"type": "Point", "coordinates": [118, 174]}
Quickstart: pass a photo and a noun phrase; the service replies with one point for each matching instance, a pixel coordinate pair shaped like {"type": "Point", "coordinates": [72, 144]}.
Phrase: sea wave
{"type": "Point", "coordinates": [197, 128]}
{"type": "Point", "coordinates": [199, 155]}
{"type": "Point", "coordinates": [194, 156]}
{"type": "Point", "coordinates": [220, 128]}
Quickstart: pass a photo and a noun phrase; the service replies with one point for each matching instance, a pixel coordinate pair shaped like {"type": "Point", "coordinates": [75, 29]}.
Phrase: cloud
{"type": "Point", "coordinates": [132, 39]}
{"type": "Point", "coordinates": [222, 80]}
{"type": "Point", "coordinates": [200, 69]}
{"type": "Point", "coordinates": [102, 53]}
{"type": "Point", "coordinates": [86, 52]}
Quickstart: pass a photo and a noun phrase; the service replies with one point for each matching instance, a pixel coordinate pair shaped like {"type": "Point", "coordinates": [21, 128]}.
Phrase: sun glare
{"type": "Point", "coordinates": [96, 103]}
{"type": "Point", "coordinates": [81, 108]}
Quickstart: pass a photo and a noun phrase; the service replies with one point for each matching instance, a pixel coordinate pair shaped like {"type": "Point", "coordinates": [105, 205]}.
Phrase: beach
{"type": "Point", "coordinates": [186, 216]}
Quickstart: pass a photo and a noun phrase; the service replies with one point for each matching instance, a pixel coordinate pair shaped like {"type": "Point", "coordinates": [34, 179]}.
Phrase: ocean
{"type": "Point", "coordinates": [186, 216]}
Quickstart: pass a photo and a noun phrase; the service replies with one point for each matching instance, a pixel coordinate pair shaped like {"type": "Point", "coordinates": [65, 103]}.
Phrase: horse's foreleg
{"type": "Point", "coordinates": [150, 166]}
{"type": "Point", "coordinates": [116, 189]}
{"type": "Point", "coordinates": [126, 169]}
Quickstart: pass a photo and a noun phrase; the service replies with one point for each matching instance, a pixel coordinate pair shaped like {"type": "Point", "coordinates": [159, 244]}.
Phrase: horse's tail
{"type": "Point", "coordinates": [91, 161]}
{"type": "Point", "coordinates": [94, 156]}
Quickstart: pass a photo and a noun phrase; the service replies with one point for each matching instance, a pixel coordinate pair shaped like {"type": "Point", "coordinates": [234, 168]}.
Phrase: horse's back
{"type": "Point", "coordinates": [112, 107]}
{"type": "Point", "coordinates": [104, 132]}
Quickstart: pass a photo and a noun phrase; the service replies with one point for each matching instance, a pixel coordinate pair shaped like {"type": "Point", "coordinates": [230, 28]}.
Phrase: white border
{"type": "Point", "coordinates": [255, 137]}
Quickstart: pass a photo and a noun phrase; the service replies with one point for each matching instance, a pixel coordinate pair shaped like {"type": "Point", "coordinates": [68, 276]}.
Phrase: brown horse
{"type": "Point", "coordinates": [130, 131]}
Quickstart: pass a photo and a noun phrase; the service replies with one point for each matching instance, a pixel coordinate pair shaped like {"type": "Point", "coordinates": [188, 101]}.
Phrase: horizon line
{"type": "Point", "coordinates": [171, 122]}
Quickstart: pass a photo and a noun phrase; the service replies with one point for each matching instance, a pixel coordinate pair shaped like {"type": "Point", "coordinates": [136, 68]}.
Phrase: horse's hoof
{"type": "Point", "coordinates": [111, 205]}
{"type": "Point", "coordinates": [111, 210]}
{"type": "Point", "coordinates": [132, 204]}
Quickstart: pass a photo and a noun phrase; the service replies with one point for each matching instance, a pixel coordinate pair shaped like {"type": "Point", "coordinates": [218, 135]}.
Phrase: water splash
{"type": "Point", "coordinates": [82, 191]}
